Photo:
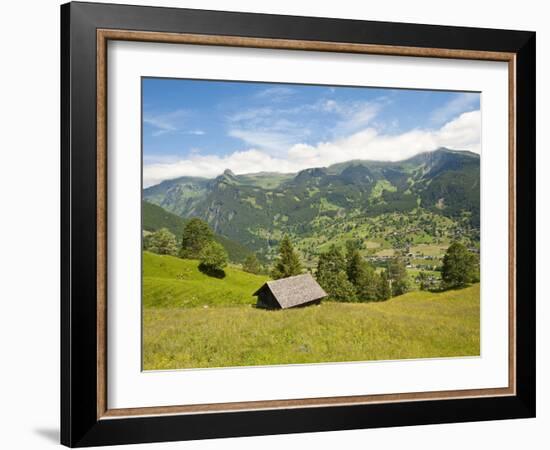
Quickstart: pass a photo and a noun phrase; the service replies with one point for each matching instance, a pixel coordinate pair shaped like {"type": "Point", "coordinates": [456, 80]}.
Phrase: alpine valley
{"type": "Point", "coordinates": [414, 207]}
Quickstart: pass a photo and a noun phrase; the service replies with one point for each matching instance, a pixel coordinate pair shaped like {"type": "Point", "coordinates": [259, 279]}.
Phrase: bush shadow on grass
{"type": "Point", "coordinates": [449, 287]}
{"type": "Point", "coordinates": [212, 271]}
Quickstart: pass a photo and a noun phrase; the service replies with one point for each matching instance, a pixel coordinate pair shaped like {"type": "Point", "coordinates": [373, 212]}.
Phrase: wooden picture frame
{"type": "Point", "coordinates": [86, 418]}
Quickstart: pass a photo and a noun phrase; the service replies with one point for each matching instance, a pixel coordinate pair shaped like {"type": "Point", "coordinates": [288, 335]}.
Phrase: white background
{"type": "Point", "coordinates": [29, 261]}
{"type": "Point", "coordinates": [128, 387]}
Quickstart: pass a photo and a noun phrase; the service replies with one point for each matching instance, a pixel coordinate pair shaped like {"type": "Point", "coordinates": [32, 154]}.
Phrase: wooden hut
{"type": "Point", "coordinates": [299, 290]}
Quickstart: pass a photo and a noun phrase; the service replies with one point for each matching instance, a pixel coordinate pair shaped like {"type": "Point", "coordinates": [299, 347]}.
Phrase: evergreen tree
{"type": "Point", "coordinates": [331, 275]}
{"type": "Point", "coordinates": [330, 264]}
{"type": "Point", "coordinates": [355, 264]}
{"type": "Point", "coordinates": [252, 265]}
{"type": "Point", "coordinates": [368, 284]}
{"type": "Point", "coordinates": [383, 291]}
{"type": "Point", "coordinates": [361, 274]}
{"type": "Point", "coordinates": [460, 266]}
{"type": "Point", "coordinates": [196, 235]}
{"type": "Point", "coordinates": [340, 289]}
{"type": "Point", "coordinates": [397, 276]}
{"type": "Point", "coordinates": [288, 263]}
{"type": "Point", "coordinates": [162, 242]}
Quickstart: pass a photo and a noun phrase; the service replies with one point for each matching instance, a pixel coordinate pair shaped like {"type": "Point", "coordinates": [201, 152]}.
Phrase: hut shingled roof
{"type": "Point", "coordinates": [294, 291]}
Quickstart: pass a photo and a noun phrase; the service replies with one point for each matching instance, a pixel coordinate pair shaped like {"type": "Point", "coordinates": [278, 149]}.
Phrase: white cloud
{"type": "Point", "coordinates": [160, 159]}
{"type": "Point", "coordinates": [212, 165]}
{"type": "Point", "coordinates": [353, 115]}
{"type": "Point", "coordinates": [356, 116]}
{"type": "Point", "coordinates": [276, 129]}
{"type": "Point", "coordinates": [170, 122]}
{"type": "Point", "coordinates": [251, 114]}
{"type": "Point", "coordinates": [275, 94]}
{"type": "Point", "coordinates": [464, 102]}
{"type": "Point", "coordinates": [271, 141]}
{"type": "Point", "coordinates": [167, 122]}
{"type": "Point", "coordinates": [461, 133]}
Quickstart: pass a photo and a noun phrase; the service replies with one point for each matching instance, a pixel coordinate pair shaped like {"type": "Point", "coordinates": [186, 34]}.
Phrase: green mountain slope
{"type": "Point", "coordinates": [256, 209]}
{"type": "Point", "coordinates": [154, 217]}
{"type": "Point", "coordinates": [178, 195]}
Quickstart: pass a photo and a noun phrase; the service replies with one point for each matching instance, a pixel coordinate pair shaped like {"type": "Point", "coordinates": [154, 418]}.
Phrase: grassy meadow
{"type": "Point", "coordinates": [191, 320]}
{"type": "Point", "coordinates": [170, 282]}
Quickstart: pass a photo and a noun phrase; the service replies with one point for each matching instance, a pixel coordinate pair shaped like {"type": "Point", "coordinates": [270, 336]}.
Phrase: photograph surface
{"type": "Point", "coordinates": [300, 224]}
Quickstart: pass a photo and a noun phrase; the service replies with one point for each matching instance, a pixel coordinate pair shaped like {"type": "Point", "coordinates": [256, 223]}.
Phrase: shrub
{"type": "Point", "coordinates": [162, 242]}
{"type": "Point", "coordinates": [213, 259]}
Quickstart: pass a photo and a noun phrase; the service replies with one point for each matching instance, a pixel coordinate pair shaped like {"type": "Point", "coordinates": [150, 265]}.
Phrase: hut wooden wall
{"type": "Point", "coordinates": [267, 300]}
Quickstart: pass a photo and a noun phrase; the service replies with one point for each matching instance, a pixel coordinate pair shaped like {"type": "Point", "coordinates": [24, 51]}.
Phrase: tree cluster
{"type": "Point", "coordinates": [197, 242]}
{"type": "Point", "coordinates": [331, 274]}
{"type": "Point", "coordinates": [350, 278]}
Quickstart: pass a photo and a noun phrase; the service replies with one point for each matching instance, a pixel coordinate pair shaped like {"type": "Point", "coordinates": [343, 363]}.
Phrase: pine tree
{"type": "Point", "coordinates": [383, 291]}
{"type": "Point", "coordinates": [367, 285]}
{"type": "Point", "coordinates": [288, 263]}
{"type": "Point", "coordinates": [398, 277]}
{"type": "Point", "coordinates": [341, 290]}
{"type": "Point", "coordinates": [355, 266]}
{"type": "Point", "coordinates": [361, 274]}
{"type": "Point", "coordinates": [330, 264]}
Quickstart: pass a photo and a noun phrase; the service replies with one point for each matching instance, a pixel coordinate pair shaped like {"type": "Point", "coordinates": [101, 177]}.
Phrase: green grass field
{"type": "Point", "coordinates": [191, 320]}
{"type": "Point", "coordinates": [170, 282]}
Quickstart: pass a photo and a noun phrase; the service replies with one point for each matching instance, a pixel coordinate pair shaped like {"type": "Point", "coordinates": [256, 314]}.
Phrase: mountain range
{"type": "Point", "coordinates": [256, 209]}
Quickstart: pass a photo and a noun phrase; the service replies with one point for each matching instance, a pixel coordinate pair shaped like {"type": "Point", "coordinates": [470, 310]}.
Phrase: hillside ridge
{"type": "Point", "coordinates": [255, 210]}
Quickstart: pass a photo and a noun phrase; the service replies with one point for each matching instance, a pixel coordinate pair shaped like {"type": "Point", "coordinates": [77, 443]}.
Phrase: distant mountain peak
{"type": "Point", "coordinates": [226, 178]}
{"type": "Point", "coordinates": [453, 152]}
{"type": "Point", "coordinates": [253, 209]}
{"type": "Point", "coordinates": [312, 172]}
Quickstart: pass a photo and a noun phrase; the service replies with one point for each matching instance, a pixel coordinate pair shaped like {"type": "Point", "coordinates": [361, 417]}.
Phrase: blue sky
{"type": "Point", "coordinates": [199, 128]}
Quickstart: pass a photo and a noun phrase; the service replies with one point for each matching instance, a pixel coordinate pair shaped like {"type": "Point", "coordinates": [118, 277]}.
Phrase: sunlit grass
{"type": "Point", "coordinates": [170, 282]}
{"type": "Point", "coordinates": [191, 321]}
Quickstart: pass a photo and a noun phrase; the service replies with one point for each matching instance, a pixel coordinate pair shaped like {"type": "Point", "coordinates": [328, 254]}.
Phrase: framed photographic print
{"type": "Point", "coordinates": [276, 224]}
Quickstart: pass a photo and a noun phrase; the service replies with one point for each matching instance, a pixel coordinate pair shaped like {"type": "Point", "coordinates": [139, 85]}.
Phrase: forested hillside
{"type": "Point", "coordinates": [431, 198]}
